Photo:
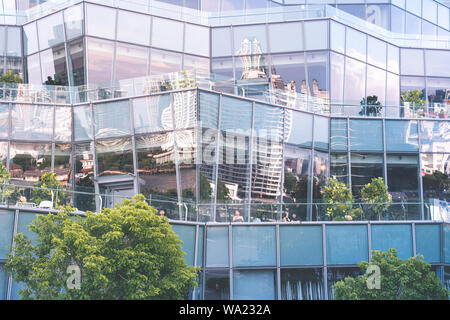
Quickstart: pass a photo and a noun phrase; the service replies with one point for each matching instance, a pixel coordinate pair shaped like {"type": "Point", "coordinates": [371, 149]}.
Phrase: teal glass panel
{"type": "Point", "coordinates": [112, 119]}
{"type": "Point", "coordinates": [6, 231]}
{"type": "Point", "coordinates": [339, 134]}
{"type": "Point", "coordinates": [366, 135]}
{"type": "Point", "coordinates": [200, 235]}
{"type": "Point", "coordinates": [209, 110]}
{"type": "Point", "coordinates": [25, 218]}
{"type": "Point", "coordinates": [187, 235]}
{"type": "Point", "coordinates": [393, 236]}
{"type": "Point", "coordinates": [346, 244]}
{"type": "Point", "coordinates": [254, 246]}
{"type": "Point", "coordinates": [428, 242]}
{"type": "Point", "coordinates": [217, 247]}
{"type": "Point", "coordinates": [301, 245]}
{"type": "Point", "coordinates": [3, 282]}
{"type": "Point", "coordinates": [254, 285]}
{"type": "Point", "coordinates": [401, 136]}
{"type": "Point", "coordinates": [16, 286]}
{"type": "Point", "coordinates": [447, 243]}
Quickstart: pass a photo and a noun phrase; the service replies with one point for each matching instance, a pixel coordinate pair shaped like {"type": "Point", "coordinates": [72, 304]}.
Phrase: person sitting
{"type": "Point", "coordinates": [285, 219]}
{"type": "Point", "coordinates": [162, 213]}
{"type": "Point", "coordinates": [294, 218]}
{"type": "Point", "coordinates": [237, 217]}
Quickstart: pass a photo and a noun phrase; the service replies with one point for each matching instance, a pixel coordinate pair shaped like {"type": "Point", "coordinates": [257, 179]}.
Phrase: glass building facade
{"type": "Point", "coordinates": [209, 107]}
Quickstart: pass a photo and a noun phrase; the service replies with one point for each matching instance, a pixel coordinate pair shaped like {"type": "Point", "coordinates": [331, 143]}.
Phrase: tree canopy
{"type": "Point", "coordinates": [127, 252]}
{"type": "Point", "coordinates": [410, 279]}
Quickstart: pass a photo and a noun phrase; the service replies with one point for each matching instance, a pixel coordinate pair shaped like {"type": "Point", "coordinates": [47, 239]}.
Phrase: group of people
{"type": "Point", "coordinates": [238, 218]}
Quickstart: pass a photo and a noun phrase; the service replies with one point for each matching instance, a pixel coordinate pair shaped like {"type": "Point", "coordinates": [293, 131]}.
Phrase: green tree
{"type": "Point", "coordinates": [222, 191]}
{"type": "Point", "coordinates": [375, 195]}
{"type": "Point", "coordinates": [48, 181]}
{"type": "Point", "coordinates": [340, 200]}
{"type": "Point", "coordinates": [413, 97]}
{"type": "Point", "coordinates": [410, 279]}
{"type": "Point", "coordinates": [10, 77]}
{"type": "Point", "coordinates": [7, 192]}
{"type": "Point", "coordinates": [127, 252]}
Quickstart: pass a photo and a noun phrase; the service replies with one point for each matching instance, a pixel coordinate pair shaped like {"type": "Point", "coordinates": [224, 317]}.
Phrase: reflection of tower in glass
{"type": "Point", "coordinates": [250, 54]}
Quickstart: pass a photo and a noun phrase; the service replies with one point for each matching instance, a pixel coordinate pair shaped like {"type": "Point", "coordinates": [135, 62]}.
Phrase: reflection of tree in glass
{"type": "Point", "coordinates": [370, 106]}
{"type": "Point", "coordinates": [436, 185]}
{"type": "Point", "coordinates": [121, 162]}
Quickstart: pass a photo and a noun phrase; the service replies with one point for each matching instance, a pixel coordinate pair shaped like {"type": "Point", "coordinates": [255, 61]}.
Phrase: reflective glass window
{"type": "Point", "coordinates": [30, 39]}
{"type": "Point", "coordinates": [217, 285]}
{"type": "Point", "coordinates": [366, 135]}
{"type": "Point", "coordinates": [100, 62]}
{"type": "Point", "coordinates": [288, 72]}
{"type": "Point", "coordinates": [435, 59]}
{"type": "Point", "coordinates": [356, 44]}
{"type": "Point", "coordinates": [429, 10]}
{"type": "Point", "coordinates": [34, 69]}
{"type": "Point", "coordinates": [376, 52]}
{"type": "Point", "coordinates": [152, 114]}
{"type": "Point", "coordinates": [76, 51]}
{"type": "Point", "coordinates": [393, 236]}
{"type": "Point", "coordinates": [131, 61]}
{"type": "Point", "coordinates": [438, 91]}
{"type": "Point", "coordinates": [301, 245]}
{"type": "Point", "coordinates": [166, 34]}
{"type": "Point", "coordinates": [252, 67]}
{"type": "Point", "coordinates": [15, 64]}
{"type": "Point", "coordinates": [435, 168]}
{"type": "Point", "coordinates": [223, 70]}
{"type": "Point", "coordinates": [346, 244]}
{"type": "Point", "coordinates": [164, 62]}
{"type": "Point", "coordinates": [393, 59]}
{"type": "Point", "coordinates": [355, 74]}
{"type": "Point", "coordinates": [339, 167]}
{"type": "Point", "coordinates": [104, 27]}
{"type": "Point", "coordinates": [398, 18]}
{"type": "Point", "coordinates": [2, 40]}
{"type": "Point", "coordinates": [320, 175]}
{"type": "Point", "coordinates": [114, 156]}
{"type": "Point", "coordinates": [428, 242]}
{"type": "Point", "coordinates": [299, 129]}
{"type": "Point", "coordinates": [429, 30]}
{"type": "Point", "coordinates": [53, 64]}
{"type": "Point", "coordinates": [250, 40]}
{"type": "Point", "coordinates": [7, 225]}
{"type": "Point", "coordinates": [3, 282]}
{"type": "Point", "coordinates": [83, 156]}
{"type": "Point", "coordinates": [414, 7]}
{"type": "Point", "coordinates": [63, 163]}
{"type": "Point", "coordinates": [197, 40]}
{"type": "Point", "coordinates": [196, 64]}
{"type": "Point", "coordinates": [63, 124]}
{"type": "Point", "coordinates": [259, 248]}
{"type": "Point", "coordinates": [402, 135]}
{"type": "Point", "coordinates": [187, 160]}
{"type": "Point", "coordinates": [285, 37]}
{"type": "Point", "coordinates": [402, 177]}
{"type": "Point", "coordinates": [217, 247]}
{"type": "Point", "coordinates": [337, 37]}
{"type": "Point", "coordinates": [435, 136]}
{"type": "Point", "coordinates": [112, 119]}
{"type": "Point", "coordinates": [336, 78]}
{"type": "Point", "coordinates": [321, 128]}
{"type": "Point", "coordinates": [412, 61]}
{"type": "Point", "coordinates": [209, 106]}
{"type": "Point", "coordinates": [410, 84]}
{"type": "Point", "coordinates": [185, 109]}
{"type": "Point", "coordinates": [376, 84]}
{"type": "Point", "coordinates": [302, 284]}
{"type": "Point", "coordinates": [74, 20]}
{"type": "Point", "coordinates": [364, 167]}
{"type": "Point", "coordinates": [14, 45]}
{"type": "Point", "coordinates": [413, 24]}
{"type": "Point", "coordinates": [443, 17]}
{"type": "Point", "coordinates": [133, 27]}
{"type": "Point", "coordinates": [31, 122]}
{"type": "Point", "coordinates": [400, 3]}
{"type": "Point", "coordinates": [254, 284]}
{"type": "Point", "coordinates": [186, 234]}
{"type": "Point", "coordinates": [4, 120]}
{"type": "Point", "coordinates": [339, 134]}
{"type": "Point", "coordinates": [29, 161]}
{"type": "Point", "coordinates": [82, 123]}
{"type": "Point", "coordinates": [221, 42]}
{"type": "Point", "coordinates": [317, 74]}
{"type": "Point", "coordinates": [316, 35]}
{"type": "Point", "coordinates": [232, 5]}
{"type": "Point", "coordinates": [4, 152]}
{"type": "Point", "coordinates": [51, 31]}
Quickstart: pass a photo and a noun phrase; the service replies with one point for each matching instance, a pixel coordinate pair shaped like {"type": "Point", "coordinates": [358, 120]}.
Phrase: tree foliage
{"type": "Point", "coordinates": [48, 181]}
{"type": "Point", "coordinates": [414, 97]}
{"type": "Point", "coordinates": [338, 195]}
{"type": "Point", "coordinates": [410, 279]}
{"type": "Point", "coordinates": [10, 77]}
{"type": "Point", "coordinates": [376, 195]}
{"type": "Point", "coordinates": [127, 252]}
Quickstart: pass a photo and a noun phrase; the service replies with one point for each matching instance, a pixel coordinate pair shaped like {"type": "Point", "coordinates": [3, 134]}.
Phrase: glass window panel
{"type": "Point", "coordinates": [164, 62]}
{"type": "Point", "coordinates": [339, 167]}
{"type": "Point", "coordinates": [15, 64]}
{"type": "Point", "coordinates": [14, 45]}
{"type": "Point", "coordinates": [84, 175]}
{"type": "Point", "coordinates": [366, 135]}
{"type": "Point", "coordinates": [217, 285]}
{"type": "Point", "coordinates": [339, 134]}
{"type": "Point", "coordinates": [337, 37]}
{"type": "Point", "coordinates": [166, 34]}
{"type": "Point", "coordinates": [398, 237]}
{"type": "Point", "coordinates": [3, 282]}
{"type": "Point", "coordinates": [82, 120]}
{"type": "Point", "coordinates": [376, 84]}
{"type": "Point", "coordinates": [435, 168]}
{"type": "Point", "coordinates": [63, 164]}
{"type": "Point", "coordinates": [398, 18]}
{"type": "Point", "coordinates": [223, 71]}
{"type": "Point", "coordinates": [114, 157]}
{"type": "Point", "coordinates": [435, 59]}
{"type": "Point", "coordinates": [217, 247]}
{"type": "Point", "coordinates": [254, 246]}
{"type": "Point", "coordinates": [317, 74]}
{"type": "Point", "coordinates": [250, 40]}
{"type": "Point", "coordinates": [355, 73]}
{"type": "Point", "coordinates": [356, 10]}
{"type": "Point", "coordinates": [438, 90]}
{"type": "Point", "coordinates": [443, 17]}
{"type": "Point", "coordinates": [133, 27]}
{"type": "Point", "coordinates": [187, 154]}
{"type": "Point", "coordinates": [364, 167]}
{"type": "Point", "coordinates": [414, 7]}
{"type": "Point", "coordinates": [254, 285]}
{"type": "Point", "coordinates": [76, 51]}
{"type": "Point", "coordinates": [200, 237]}
{"type": "Point", "coordinates": [233, 5]}
{"type": "Point", "coordinates": [53, 64]}
{"type": "Point", "coordinates": [32, 122]}
{"type": "Point", "coordinates": [152, 114]}
{"type": "Point", "coordinates": [302, 284]}
{"type": "Point", "coordinates": [231, 107]}
{"type": "Point", "coordinates": [288, 72]}
{"type": "Point", "coordinates": [378, 14]}
{"type": "Point", "coordinates": [28, 162]}
{"type": "Point", "coordinates": [392, 97]}
{"type": "Point", "coordinates": [400, 3]}
{"type": "Point", "coordinates": [131, 61]}
{"type": "Point", "coordinates": [51, 31]}
{"type": "Point", "coordinates": [429, 30]}
{"type": "Point", "coordinates": [30, 39]}
{"type": "Point", "coordinates": [301, 246]}
{"type": "Point", "coordinates": [435, 136]}
{"type": "Point", "coordinates": [100, 62]}
{"type": "Point", "coordinates": [3, 152]}
{"type": "Point", "coordinates": [112, 119]}
{"type": "Point", "coordinates": [187, 235]}
{"type": "Point", "coordinates": [4, 120]}
{"type": "Point", "coordinates": [7, 226]}
{"type": "Point", "coordinates": [409, 84]}
{"type": "Point", "coordinates": [346, 244]}
{"type": "Point", "coordinates": [376, 52]}
{"type": "Point", "coordinates": [298, 128]}
{"type": "Point", "coordinates": [221, 42]}
{"type": "Point", "coordinates": [336, 78]}
{"type": "Point", "coordinates": [429, 10]}
{"type": "Point", "coordinates": [393, 59]}
{"type": "Point", "coordinates": [321, 132]}
{"type": "Point", "coordinates": [185, 109]}
{"type": "Point", "coordinates": [2, 40]}
{"type": "Point", "coordinates": [34, 69]}
{"type": "Point", "coordinates": [356, 44]}
{"type": "Point", "coordinates": [402, 178]}
{"type": "Point", "coordinates": [402, 136]}
{"type": "Point", "coordinates": [321, 174]}
{"type": "Point", "coordinates": [196, 64]}
{"type": "Point", "coordinates": [104, 27]}
{"type": "Point", "coordinates": [156, 169]}
{"type": "Point", "coordinates": [74, 21]}
{"type": "Point", "coordinates": [63, 124]}
{"type": "Point", "coordinates": [316, 35]}
{"type": "Point", "coordinates": [286, 37]}
{"type": "Point", "coordinates": [428, 242]}
{"type": "Point", "coordinates": [197, 40]}
{"type": "Point", "coordinates": [413, 24]}
{"type": "Point", "coordinates": [252, 68]}
{"type": "Point", "coordinates": [25, 219]}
